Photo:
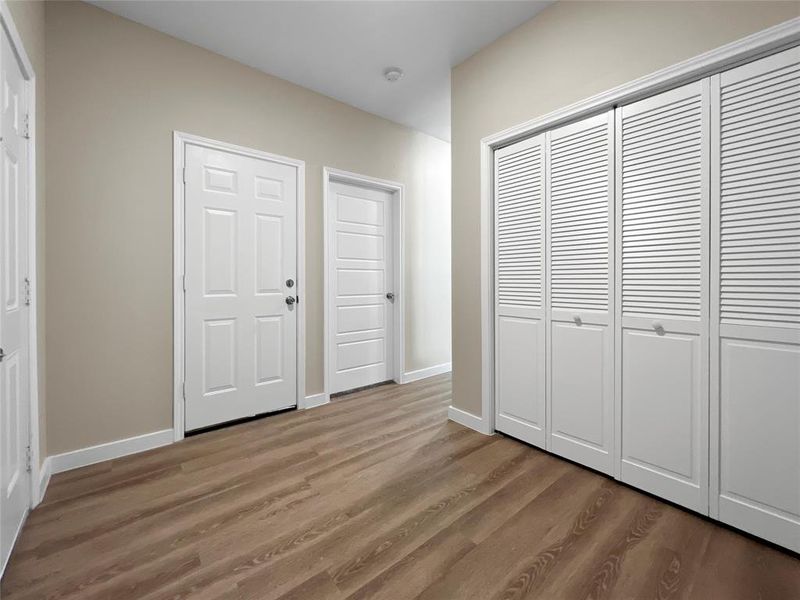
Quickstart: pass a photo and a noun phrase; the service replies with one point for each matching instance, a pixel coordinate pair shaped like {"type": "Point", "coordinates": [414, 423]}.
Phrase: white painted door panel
{"type": "Point", "coordinates": [662, 424]}
{"type": "Point", "coordinates": [581, 393]}
{"type": "Point", "coordinates": [759, 444]}
{"type": "Point", "coordinates": [241, 340]}
{"type": "Point", "coordinates": [756, 301]}
{"type": "Point", "coordinates": [14, 368]}
{"type": "Point", "coordinates": [662, 284]}
{"type": "Point", "coordinates": [520, 330]}
{"type": "Point", "coordinates": [361, 247]}
{"type": "Point", "coordinates": [580, 275]}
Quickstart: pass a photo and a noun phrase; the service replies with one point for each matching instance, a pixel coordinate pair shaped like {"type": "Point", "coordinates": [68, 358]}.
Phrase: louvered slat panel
{"type": "Point", "coordinates": [579, 187]}
{"type": "Point", "coordinates": [519, 197]}
{"type": "Point", "coordinates": [760, 199]}
{"type": "Point", "coordinates": [662, 192]}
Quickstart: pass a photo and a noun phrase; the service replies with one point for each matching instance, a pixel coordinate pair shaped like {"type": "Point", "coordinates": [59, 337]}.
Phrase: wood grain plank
{"type": "Point", "coordinates": [374, 496]}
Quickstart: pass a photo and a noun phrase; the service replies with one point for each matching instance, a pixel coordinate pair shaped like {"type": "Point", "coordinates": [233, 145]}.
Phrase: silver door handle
{"type": "Point", "coordinates": [290, 300]}
{"type": "Point", "coordinates": [389, 296]}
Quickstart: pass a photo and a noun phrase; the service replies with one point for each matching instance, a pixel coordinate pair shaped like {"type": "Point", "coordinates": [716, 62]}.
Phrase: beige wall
{"type": "Point", "coordinates": [116, 91]}
{"type": "Point", "coordinates": [570, 51]}
{"type": "Point", "coordinates": [29, 20]}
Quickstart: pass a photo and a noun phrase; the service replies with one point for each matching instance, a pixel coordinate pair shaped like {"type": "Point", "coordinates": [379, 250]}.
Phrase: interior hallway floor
{"type": "Point", "coordinates": [374, 496]}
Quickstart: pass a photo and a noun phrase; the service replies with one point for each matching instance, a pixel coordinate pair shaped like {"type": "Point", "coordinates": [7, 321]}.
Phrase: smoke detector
{"type": "Point", "coordinates": [392, 74]}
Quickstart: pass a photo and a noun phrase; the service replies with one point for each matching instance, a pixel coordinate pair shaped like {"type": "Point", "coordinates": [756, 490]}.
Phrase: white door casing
{"type": "Point", "coordinates": [361, 330]}
{"type": "Point", "coordinates": [580, 291]}
{"type": "Point", "coordinates": [520, 332]}
{"type": "Point", "coordinates": [15, 487]}
{"type": "Point", "coordinates": [663, 290]}
{"type": "Point", "coordinates": [241, 252]}
{"type": "Point", "coordinates": [755, 358]}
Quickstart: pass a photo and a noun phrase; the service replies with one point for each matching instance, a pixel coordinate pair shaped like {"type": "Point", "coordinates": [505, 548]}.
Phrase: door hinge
{"type": "Point", "coordinates": [26, 126]}
{"type": "Point", "coordinates": [27, 291]}
{"type": "Point", "coordinates": [28, 458]}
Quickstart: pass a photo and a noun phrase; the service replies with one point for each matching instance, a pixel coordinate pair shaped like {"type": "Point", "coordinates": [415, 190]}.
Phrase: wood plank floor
{"type": "Point", "coordinates": [375, 496]}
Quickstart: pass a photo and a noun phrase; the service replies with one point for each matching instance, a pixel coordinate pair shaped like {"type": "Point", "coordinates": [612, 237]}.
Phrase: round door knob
{"type": "Point", "coordinates": [290, 300]}
{"type": "Point", "coordinates": [389, 296]}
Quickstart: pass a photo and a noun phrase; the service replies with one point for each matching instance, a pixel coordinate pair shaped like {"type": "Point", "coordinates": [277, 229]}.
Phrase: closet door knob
{"type": "Point", "coordinates": [658, 327]}
{"type": "Point", "coordinates": [577, 319]}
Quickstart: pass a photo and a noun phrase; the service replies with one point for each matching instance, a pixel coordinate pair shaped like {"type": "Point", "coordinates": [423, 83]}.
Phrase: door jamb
{"type": "Point", "coordinates": [180, 141]}
{"type": "Point", "coordinates": [329, 175]}
{"type": "Point", "coordinates": [37, 471]}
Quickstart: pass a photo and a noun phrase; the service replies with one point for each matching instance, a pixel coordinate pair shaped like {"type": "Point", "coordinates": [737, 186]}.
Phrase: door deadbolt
{"type": "Point", "coordinates": [389, 296]}
{"type": "Point", "coordinates": [289, 282]}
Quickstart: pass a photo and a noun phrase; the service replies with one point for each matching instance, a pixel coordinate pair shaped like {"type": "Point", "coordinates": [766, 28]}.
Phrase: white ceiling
{"type": "Point", "coordinates": [340, 48]}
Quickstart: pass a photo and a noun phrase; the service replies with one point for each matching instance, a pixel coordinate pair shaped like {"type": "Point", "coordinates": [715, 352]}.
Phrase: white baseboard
{"type": "Point", "coordinates": [315, 400]}
{"type": "Point", "coordinates": [45, 471]}
{"type": "Point", "coordinates": [111, 450]}
{"type": "Point", "coordinates": [427, 372]}
{"type": "Point", "coordinates": [467, 419]}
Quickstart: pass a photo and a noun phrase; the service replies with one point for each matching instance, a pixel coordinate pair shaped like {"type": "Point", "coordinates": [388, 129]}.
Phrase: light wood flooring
{"type": "Point", "coordinates": [375, 496]}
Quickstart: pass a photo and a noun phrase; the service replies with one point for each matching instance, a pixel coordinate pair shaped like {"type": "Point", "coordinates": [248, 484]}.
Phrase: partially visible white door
{"type": "Point", "coordinates": [663, 282]}
{"type": "Point", "coordinates": [756, 299]}
{"type": "Point", "coordinates": [241, 282]}
{"type": "Point", "coordinates": [14, 385]}
{"type": "Point", "coordinates": [580, 277]}
{"type": "Point", "coordinates": [360, 286]}
{"type": "Point", "coordinates": [520, 336]}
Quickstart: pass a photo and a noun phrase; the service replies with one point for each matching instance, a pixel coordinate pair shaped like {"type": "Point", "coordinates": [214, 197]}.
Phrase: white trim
{"type": "Point", "coordinates": [180, 140]}
{"type": "Point", "coordinates": [33, 346]}
{"type": "Point", "coordinates": [427, 372]}
{"type": "Point", "coordinates": [44, 476]}
{"type": "Point", "coordinates": [399, 329]}
{"type": "Point", "coordinates": [725, 57]}
{"type": "Point", "coordinates": [467, 419]}
{"type": "Point", "coordinates": [109, 451]}
{"type": "Point", "coordinates": [314, 400]}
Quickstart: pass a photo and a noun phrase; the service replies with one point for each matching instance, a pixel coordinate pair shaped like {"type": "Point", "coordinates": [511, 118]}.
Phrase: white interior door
{"type": "Point", "coordinates": [360, 286]}
{"type": "Point", "coordinates": [14, 339]}
{"type": "Point", "coordinates": [520, 334]}
{"type": "Point", "coordinates": [580, 276]}
{"type": "Point", "coordinates": [756, 359]}
{"type": "Point", "coordinates": [662, 253]}
{"type": "Point", "coordinates": [241, 286]}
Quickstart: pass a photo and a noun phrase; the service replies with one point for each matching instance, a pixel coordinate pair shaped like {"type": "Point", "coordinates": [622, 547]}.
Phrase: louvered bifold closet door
{"type": "Point", "coordinates": [580, 237]}
{"type": "Point", "coordinates": [756, 298]}
{"type": "Point", "coordinates": [663, 282]}
{"type": "Point", "coordinates": [519, 279]}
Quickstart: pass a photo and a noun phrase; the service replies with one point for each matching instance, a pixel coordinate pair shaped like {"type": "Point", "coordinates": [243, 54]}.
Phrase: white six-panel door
{"type": "Point", "coordinates": [241, 282]}
{"type": "Point", "coordinates": [580, 276]}
{"type": "Point", "coordinates": [520, 336]}
{"type": "Point", "coordinates": [14, 384]}
{"type": "Point", "coordinates": [361, 277]}
{"type": "Point", "coordinates": [663, 281]}
{"type": "Point", "coordinates": [756, 362]}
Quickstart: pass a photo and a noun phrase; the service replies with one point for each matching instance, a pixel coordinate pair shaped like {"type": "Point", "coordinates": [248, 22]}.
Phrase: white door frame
{"type": "Point", "coordinates": [762, 43]}
{"type": "Point", "coordinates": [180, 141]}
{"type": "Point", "coordinates": [397, 190]}
{"type": "Point", "coordinates": [39, 475]}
